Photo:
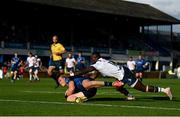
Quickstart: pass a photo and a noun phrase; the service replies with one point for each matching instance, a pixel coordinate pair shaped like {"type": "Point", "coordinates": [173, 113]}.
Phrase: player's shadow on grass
{"type": "Point", "coordinates": [106, 99]}
{"type": "Point", "coordinates": [158, 98]}
{"type": "Point", "coordinates": [137, 99]}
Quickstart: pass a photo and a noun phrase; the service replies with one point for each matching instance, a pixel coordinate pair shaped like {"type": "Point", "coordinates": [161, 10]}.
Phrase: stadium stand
{"type": "Point", "coordinates": [105, 26]}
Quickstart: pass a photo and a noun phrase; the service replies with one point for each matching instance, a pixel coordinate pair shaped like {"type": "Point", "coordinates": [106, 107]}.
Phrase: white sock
{"type": "Point", "coordinates": [161, 89]}
{"type": "Point", "coordinates": [30, 77]}
{"type": "Point", "coordinates": [129, 95]}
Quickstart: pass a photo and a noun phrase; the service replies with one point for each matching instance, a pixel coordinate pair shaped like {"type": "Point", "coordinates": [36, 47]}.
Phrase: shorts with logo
{"type": "Point", "coordinates": [129, 77]}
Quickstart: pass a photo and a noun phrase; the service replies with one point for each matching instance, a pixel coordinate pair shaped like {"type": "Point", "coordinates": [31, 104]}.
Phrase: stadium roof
{"type": "Point", "coordinates": [115, 7]}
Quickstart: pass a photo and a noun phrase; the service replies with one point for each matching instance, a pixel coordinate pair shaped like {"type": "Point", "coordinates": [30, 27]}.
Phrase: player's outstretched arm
{"type": "Point", "coordinates": [84, 71]}
{"type": "Point", "coordinates": [71, 89]}
{"type": "Point", "coordinates": [81, 72]}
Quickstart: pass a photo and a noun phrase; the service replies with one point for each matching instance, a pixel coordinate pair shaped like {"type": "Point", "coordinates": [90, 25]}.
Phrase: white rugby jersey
{"type": "Point", "coordinates": [108, 68]}
{"type": "Point", "coordinates": [37, 62]}
{"type": "Point", "coordinates": [31, 61]}
{"type": "Point", "coordinates": [70, 62]}
{"type": "Point", "coordinates": [131, 65]}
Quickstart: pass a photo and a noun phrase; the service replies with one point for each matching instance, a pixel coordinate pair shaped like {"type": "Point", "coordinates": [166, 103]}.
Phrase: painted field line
{"type": "Point", "coordinates": [49, 92]}
{"type": "Point", "coordinates": [92, 104]}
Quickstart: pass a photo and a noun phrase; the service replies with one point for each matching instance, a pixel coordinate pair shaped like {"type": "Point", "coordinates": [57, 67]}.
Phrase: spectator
{"type": "Point", "coordinates": [21, 69]}
{"type": "Point", "coordinates": [5, 70]}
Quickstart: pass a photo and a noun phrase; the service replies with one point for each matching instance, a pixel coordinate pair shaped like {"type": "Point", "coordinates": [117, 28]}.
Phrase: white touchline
{"type": "Point", "coordinates": [90, 104]}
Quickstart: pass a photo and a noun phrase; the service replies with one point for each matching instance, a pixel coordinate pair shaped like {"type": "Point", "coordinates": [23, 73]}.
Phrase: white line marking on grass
{"type": "Point", "coordinates": [92, 104]}
{"type": "Point", "coordinates": [43, 92]}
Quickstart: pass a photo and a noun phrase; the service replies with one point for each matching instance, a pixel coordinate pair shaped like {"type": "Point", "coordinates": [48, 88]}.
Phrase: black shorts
{"type": "Point", "coordinates": [59, 65]}
{"type": "Point", "coordinates": [36, 68]}
{"type": "Point", "coordinates": [90, 92]}
{"type": "Point", "coordinates": [129, 77]}
{"type": "Point", "coordinates": [14, 68]}
{"type": "Point", "coordinates": [70, 69]}
{"type": "Point", "coordinates": [31, 68]}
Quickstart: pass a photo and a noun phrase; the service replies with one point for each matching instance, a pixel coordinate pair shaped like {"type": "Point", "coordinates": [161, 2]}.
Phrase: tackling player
{"type": "Point", "coordinates": [122, 73]}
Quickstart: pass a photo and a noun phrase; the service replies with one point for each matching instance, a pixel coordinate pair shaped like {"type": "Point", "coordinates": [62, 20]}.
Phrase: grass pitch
{"type": "Point", "coordinates": [42, 99]}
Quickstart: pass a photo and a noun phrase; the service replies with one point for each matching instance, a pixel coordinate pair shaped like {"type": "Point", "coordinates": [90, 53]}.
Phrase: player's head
{"type": "Point", "coordinates": [79, 53]}
{"type": "Point", "coordinates": [30, 54]}
{"type": "Point", "coordinates": [95, 56]}
{"type": "Point", "coordinates": [70, 55]}
{"type": "Point", "coordinates": [140, 57]}
{"type": "Point", "coordinates": [130, 58]}
{"type": "Point", "coordinates": [55, 39]}
{"type": "Point", "coordinates": [61, 81]}
{"type": "Point", "coordinates": [15, 54]}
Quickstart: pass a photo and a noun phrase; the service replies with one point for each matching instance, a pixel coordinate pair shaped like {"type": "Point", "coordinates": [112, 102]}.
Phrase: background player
{"type": "Point", "coordinates": [56, 66]}
{"type": "Point", "coordinates": [70, 63]}
{"type": "Point", "coordinates": [141, 65]}
{"type": "Point", "coordinates": [30, 62]}
{"type": "Point", "coordinates": [80, 61]}
{"type": "Point", "coordinates": [37, 66]}
{"type": "Point", "coordinates": [15, 61]}
{"type": "Point", "coordinates": [131, 64]}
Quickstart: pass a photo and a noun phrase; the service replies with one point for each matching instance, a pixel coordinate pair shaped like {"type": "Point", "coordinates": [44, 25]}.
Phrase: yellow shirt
{"type": "Point", "coordinates": [57, 48]}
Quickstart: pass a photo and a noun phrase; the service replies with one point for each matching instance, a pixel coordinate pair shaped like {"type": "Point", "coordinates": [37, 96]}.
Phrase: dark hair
{"type": "Point", "coordinates": [30, 53]}
{"type": "Point", "coordinates": [56, 81]}
{"type": "Point", "coordinates": [55, 77]}
{"type": "Point", "coordinates": [97, 54]}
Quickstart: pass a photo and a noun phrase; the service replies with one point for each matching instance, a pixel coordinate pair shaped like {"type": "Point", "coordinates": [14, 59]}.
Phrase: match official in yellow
{"type": "Point", "coordinates": [56, 64]}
